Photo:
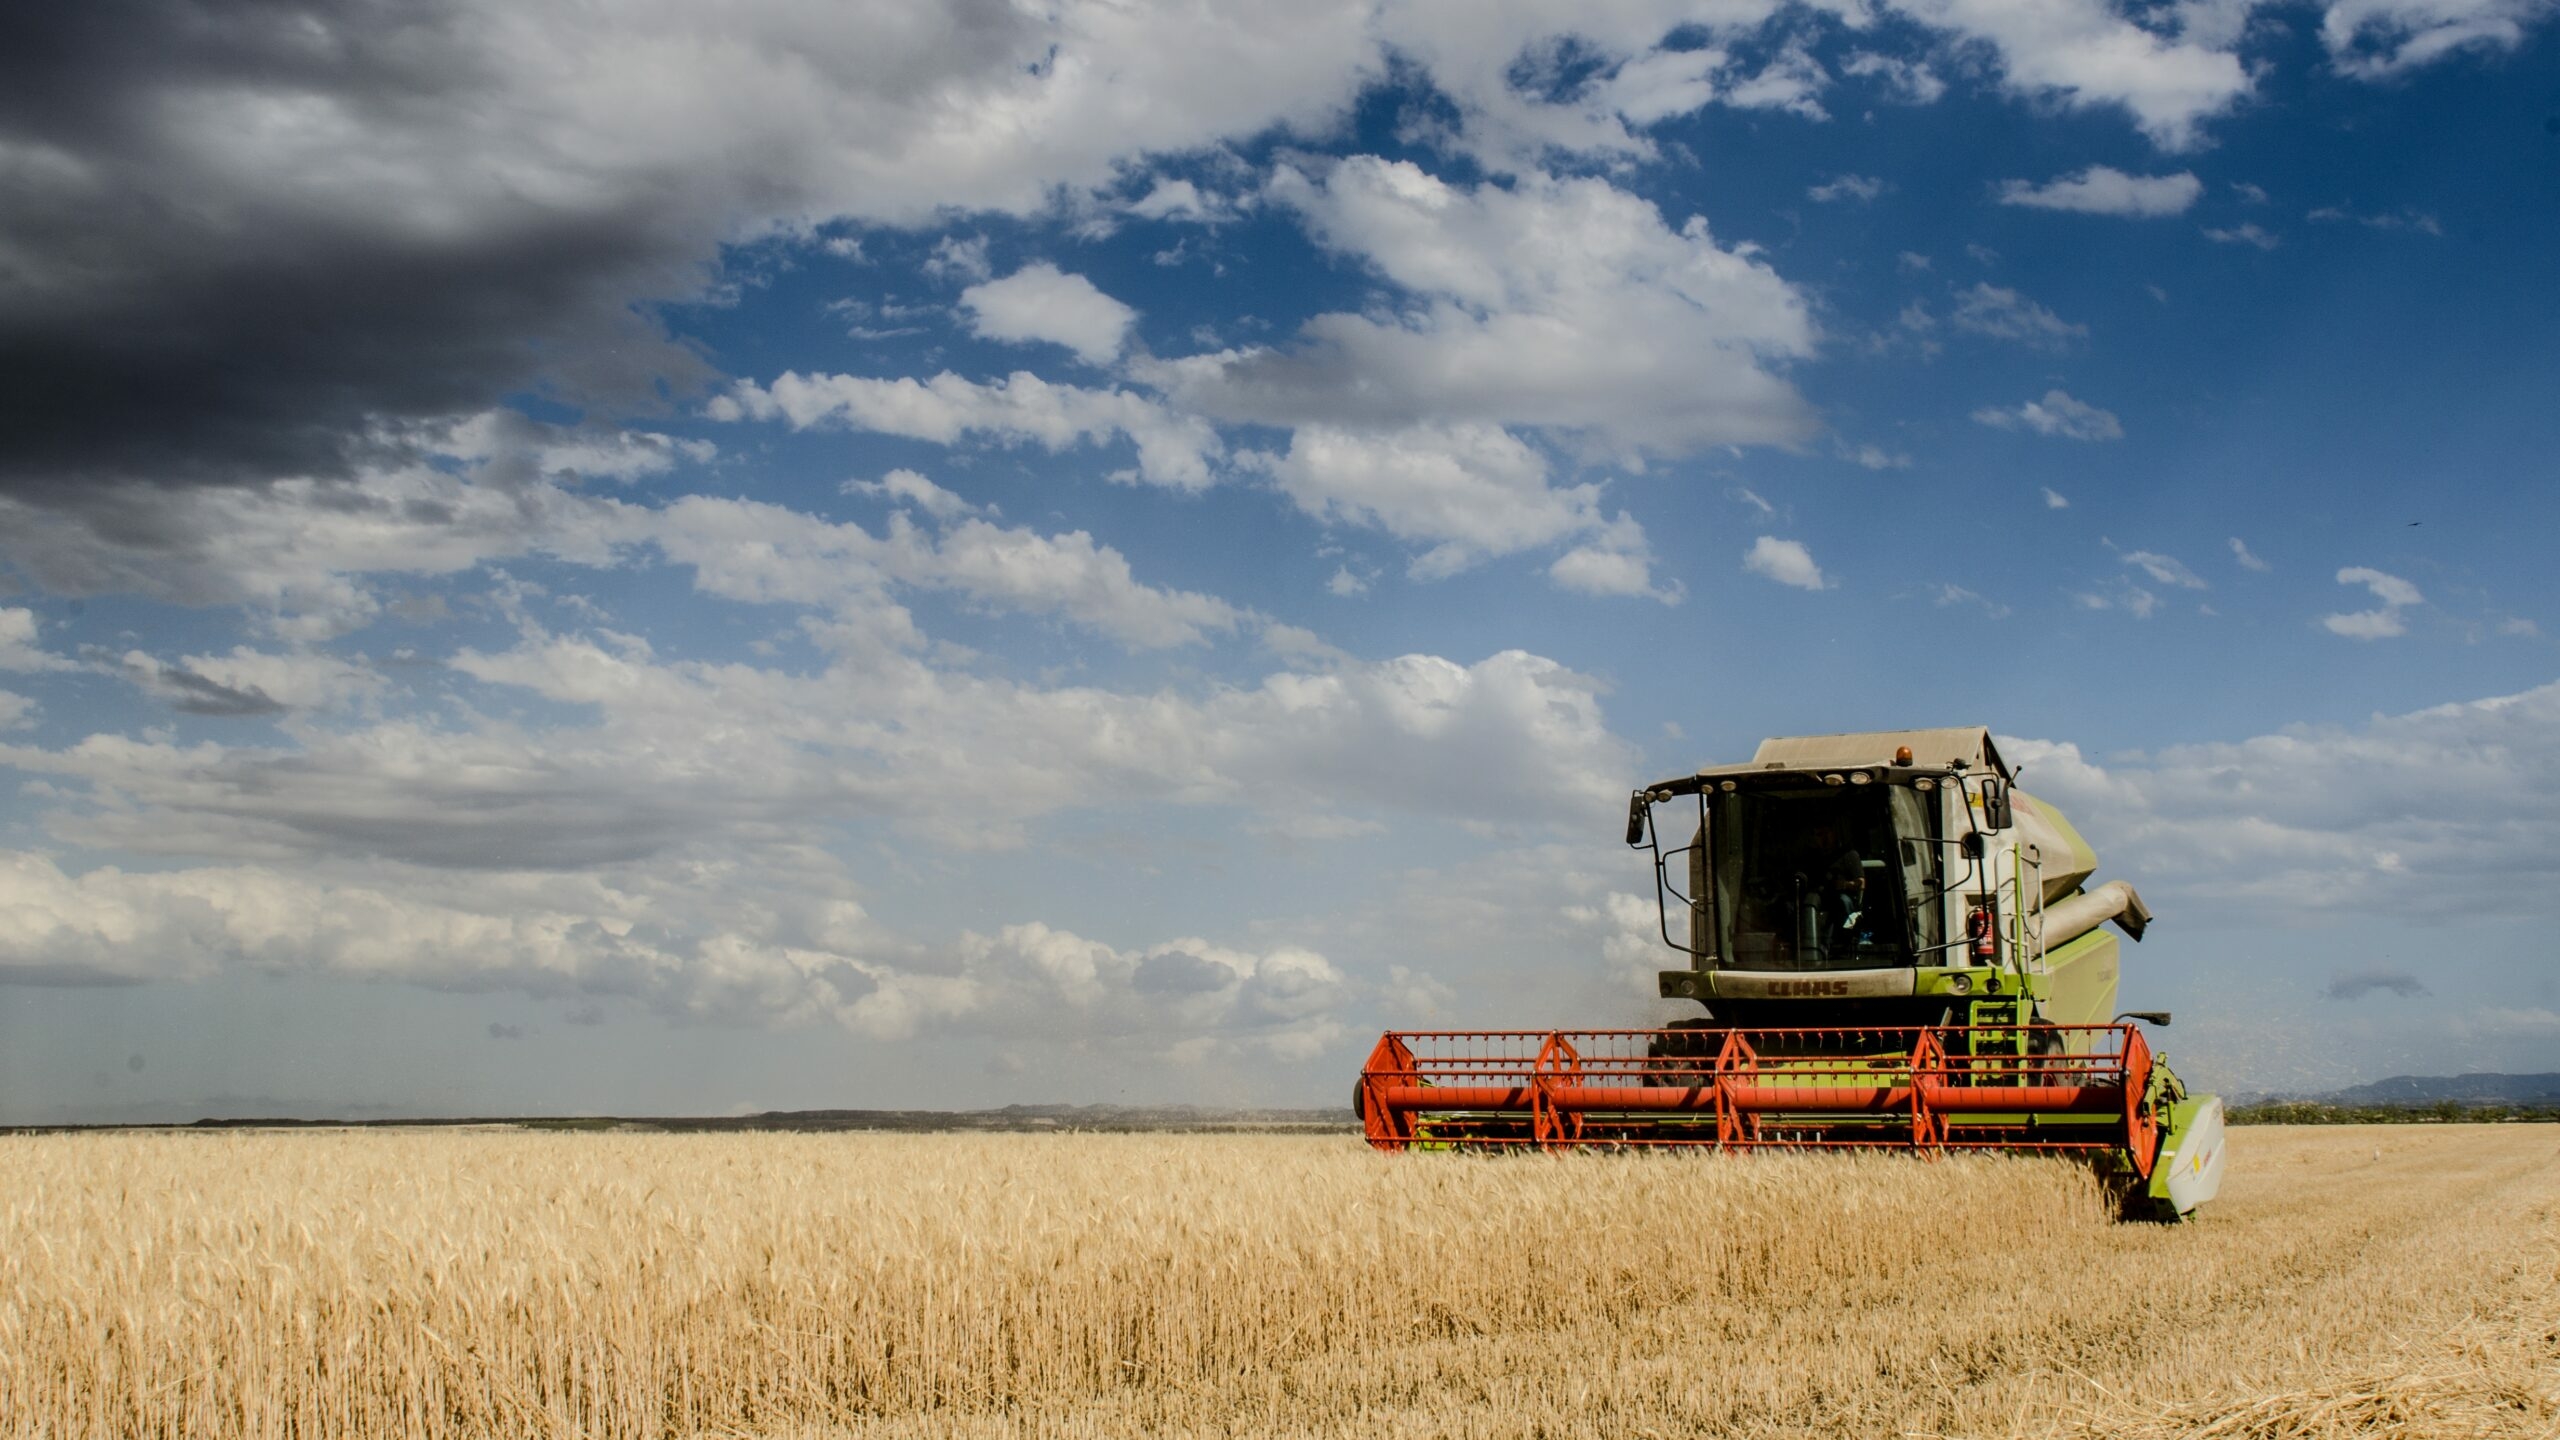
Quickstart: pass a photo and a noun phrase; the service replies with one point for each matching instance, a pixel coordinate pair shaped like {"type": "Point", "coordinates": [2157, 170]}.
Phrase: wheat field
{"type": "Point", "coordinates": [2353, 1281]}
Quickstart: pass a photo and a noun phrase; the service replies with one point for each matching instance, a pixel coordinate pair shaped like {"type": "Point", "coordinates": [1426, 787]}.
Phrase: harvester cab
{"type": "Point", "coordinates": [1892, 945]}
{"type": "Point", "coordinates": [1893, 879]}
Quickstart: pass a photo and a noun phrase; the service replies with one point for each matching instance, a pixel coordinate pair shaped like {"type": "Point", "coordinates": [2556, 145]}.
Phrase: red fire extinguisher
{"type": "Point", "coordinates": [1981, 927]}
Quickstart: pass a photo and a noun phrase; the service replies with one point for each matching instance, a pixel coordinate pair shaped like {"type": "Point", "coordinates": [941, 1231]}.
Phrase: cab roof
{"type": "Point", "coordinates": [1968, 745]}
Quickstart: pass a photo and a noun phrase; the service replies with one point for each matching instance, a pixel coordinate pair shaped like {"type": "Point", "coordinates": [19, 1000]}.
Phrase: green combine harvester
{"type": "Point", "coordinates": [1893, 947]}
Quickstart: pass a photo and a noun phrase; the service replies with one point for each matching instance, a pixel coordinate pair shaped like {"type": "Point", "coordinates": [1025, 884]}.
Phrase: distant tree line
{"type": "Point", "coordinates": [2441, 1112]}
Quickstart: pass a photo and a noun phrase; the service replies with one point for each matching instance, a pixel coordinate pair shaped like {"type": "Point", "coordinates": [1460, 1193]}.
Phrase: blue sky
{"type": "Point", "coordinates": [906, 556]}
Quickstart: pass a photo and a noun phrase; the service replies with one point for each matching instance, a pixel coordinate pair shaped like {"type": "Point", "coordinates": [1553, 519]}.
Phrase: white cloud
{"type": "Point", "coordinates": [1858, 188]}
{"type": "Point", "coordinates": [2105, 190]}
{"type": "Point", "coordinates": [16, 711]}
{"type": "Point", "coordinates": [1467, 491]}
{"type": "Point", "coordinates": [1168, 199]}
{"type": "Point", "coordinates": [1042, 302]}
{"type": "Point", "coordinates": [19, 649]}
{"type": "Point", "coordinates": [1173, 450]}
{"type": "Point", "coordinates": [688, 764]}
{"type": "Point", "coordinates": [2057, 414]}
{"type": "Point", "coordinates": [2004, 314]}
{"type": "Point", "coordinates": [740, 963]}
{"type": "Point", "coordinates": [1616, 561]}
{"type": "Point", "coordinates": [2085, 53]}
{"type": "Point", "coordinates": [1910, 81]}
{"type": "Point", "coordinates": [2055, 500]}
{"type": "Point", "coordinates": [2379, 38]}
{"type": "Point", "coordinates": [1564, 304]}
{"type": "Point", "coordinates": [957, 258]}
{"type": "Point", "coordinates": [1502, 68]}
{"type": "Point", "coordinates": [906, 487]}
{"type": "Point", "coordinates": [2385, 620]}
{"type": "Point", "coordinates": [765, 554]}
{"type": "Point", "coordinates": [2382, 624]}
{"type": "Point", "coordinates": [2248, 561]}
{"type": "Point", "coordinates": [2165, 569]}
{"type": "Point", "coordinates": [1786, 561]}
{"type": "Point", "coordinates": [2452, 811]}
{"type": "Point", "coordinates": [1346, 584]}
{"type": "Point", "coordinates": [2248, 233]}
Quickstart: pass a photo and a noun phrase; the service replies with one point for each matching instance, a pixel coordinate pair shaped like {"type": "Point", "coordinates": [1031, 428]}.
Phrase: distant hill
{"type": "Point", "coordinates": [2428, 1089]}
{"type": "Point", "coordinates": [1178, 1119]}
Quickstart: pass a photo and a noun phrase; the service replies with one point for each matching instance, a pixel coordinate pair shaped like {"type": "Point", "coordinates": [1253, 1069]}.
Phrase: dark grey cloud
{"type": "Point", "coordinates": [190, 693]}
{"type": "Point", "coordinates": [181, 302]}
{"type": "Point", "coordinates": [499, 1030]}
{"type": "Point", "coordinates": [2357, 985]}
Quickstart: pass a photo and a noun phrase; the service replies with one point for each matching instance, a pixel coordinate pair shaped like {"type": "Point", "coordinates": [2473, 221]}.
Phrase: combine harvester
{"type": "Point", "coordinates": [1896, 949]}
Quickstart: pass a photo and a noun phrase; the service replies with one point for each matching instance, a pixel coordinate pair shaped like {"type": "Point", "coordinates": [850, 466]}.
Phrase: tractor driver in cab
{"type": "Point", "coordinates": [1848, 924]}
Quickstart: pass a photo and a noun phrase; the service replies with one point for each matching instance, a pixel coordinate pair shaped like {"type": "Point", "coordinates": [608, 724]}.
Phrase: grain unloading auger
{"type": "Point", "coordinates": [1895, 948]}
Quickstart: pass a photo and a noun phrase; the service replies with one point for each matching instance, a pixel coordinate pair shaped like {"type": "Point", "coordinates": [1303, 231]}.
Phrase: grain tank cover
{"type": "Point", "coordinates": [2062, 861]}
{"type": "Point", "coordinates": [1970, 744]}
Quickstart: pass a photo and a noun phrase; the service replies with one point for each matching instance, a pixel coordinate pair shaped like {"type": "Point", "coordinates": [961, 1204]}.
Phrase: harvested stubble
{"type": "Point", "coordinates": [440, 1283]}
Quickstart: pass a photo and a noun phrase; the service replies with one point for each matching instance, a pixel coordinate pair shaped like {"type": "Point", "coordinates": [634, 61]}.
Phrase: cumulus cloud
{"type": "Point", "coordinates": [1563, 304]}
{"type": "Point", "coordinates": [2004, 314]}
{"type": "Point", "coordinates": [20, 647]}
{"type": "Point", "coordinates": [766, 554]}
{"type": "Point", "coordinates": [1170, 198]}
{"type": "Point", "coordinates": [906, 487]}
{"type": "Point", "coordinates": [2055, 499]}
{"type": "Point", "coordinates": [1042, 302]}
{"type": "Point", "coordinates": [2085, 53]}
{"type": "Point", "coordinates": [2386, 619]}
{"type": "Point", "coordinates": [2058, 415]}
{"type": "Point", "coordinates": [678, 758]}
{"type": "Point", "coordinates": [2375, 39]}
{"type": "Point", "coordinates": [1172, 450]}
{"type": "Point", "coordinates": [2451, 811]}
{"type": "Point", "coordinates": [1786, 561]}
{"type": "Point", "coordinates": [754, 964]}
{"type": "Point", "coordinates": [2105, 190]}
{"type": "Point", "coordinates": [1616, 560]}
{"type": "Point", "coordinates": [1527, 83]}
{"type": "Point", "coordinates": [1466, 491]}
{"type": "Point", "coordinates": [1462, 494]}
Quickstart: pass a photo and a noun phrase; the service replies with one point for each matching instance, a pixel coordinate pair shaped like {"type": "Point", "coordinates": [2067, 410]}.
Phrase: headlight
{"type": "Point", "coordinates": [1959, 984]}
